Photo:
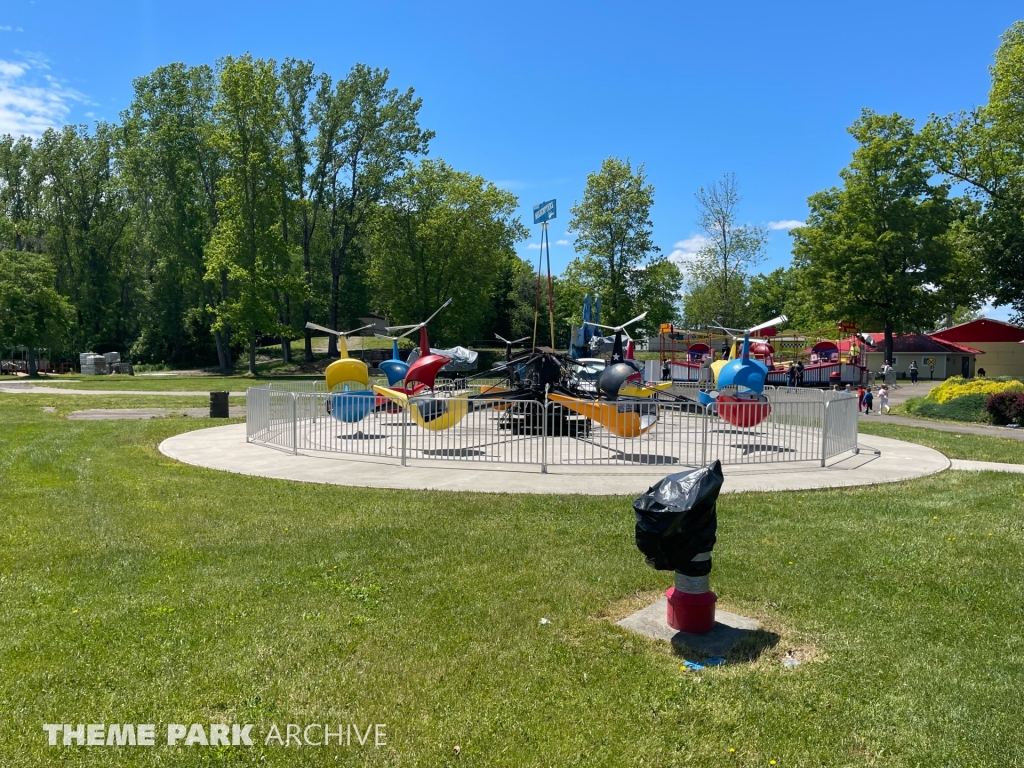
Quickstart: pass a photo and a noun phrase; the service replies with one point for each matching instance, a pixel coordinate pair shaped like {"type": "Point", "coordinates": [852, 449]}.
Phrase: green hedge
{"type": "Point", "coordinates": [968, 408]}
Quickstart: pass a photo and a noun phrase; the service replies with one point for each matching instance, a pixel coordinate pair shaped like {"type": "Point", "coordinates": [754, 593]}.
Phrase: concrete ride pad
{"type": "Point", "coordinates": [225, 448]}
{"type": "Point", "coordinates": [729, 629]}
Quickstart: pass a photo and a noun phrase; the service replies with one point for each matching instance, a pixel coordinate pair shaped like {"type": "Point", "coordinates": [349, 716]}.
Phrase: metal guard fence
{"type": "Point", "coordinates": [524, 432]}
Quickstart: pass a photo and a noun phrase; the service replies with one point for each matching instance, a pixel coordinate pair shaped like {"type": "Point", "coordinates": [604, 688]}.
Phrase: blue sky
{"type": "Point", "coordinates": [534, 96]}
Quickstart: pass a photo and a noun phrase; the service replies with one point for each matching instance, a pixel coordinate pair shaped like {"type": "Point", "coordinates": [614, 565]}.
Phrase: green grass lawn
{"type": "Point", "coordinates": [136, 589]}
{"type": "Point", "coordinates": [952, 444]}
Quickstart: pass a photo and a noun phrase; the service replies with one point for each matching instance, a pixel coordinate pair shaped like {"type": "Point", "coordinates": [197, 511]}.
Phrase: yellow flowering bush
{"type": "Point", "coordinates": [957, 386]}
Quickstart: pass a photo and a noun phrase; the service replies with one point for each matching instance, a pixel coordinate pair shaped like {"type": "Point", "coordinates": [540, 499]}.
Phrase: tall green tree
{"type": "Point", "coordinates": [618, 259]}
{"type": "Point", "coordinates": [717, 279]}
{"type": "Point", "coordinates": [248, 243]}
{"type": "Point", "coordinates": [779, 292]}
{"type": "Point", "coordinates": [32, 313]}
{"type": "Point", "coordinates": [303, 119]}
{"type": "Point", "coordinates": [984, 148]}
{"type": "Point", "coordinates": [875, 250]}
{"type": "Point", "coordinates": [19, 194]}
{"type": "Point", "coordinates": [85, 220]}
{"type": "Point", "coordinates": [171, 170]}
{"type": "Point", "coordinates": [368, 134]}
{"type": "Point", "coordinates": [442, 234]}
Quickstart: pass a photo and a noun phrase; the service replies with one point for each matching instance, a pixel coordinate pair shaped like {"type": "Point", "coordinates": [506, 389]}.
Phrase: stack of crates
{"type": "Point", "coordinates": [92, 364]}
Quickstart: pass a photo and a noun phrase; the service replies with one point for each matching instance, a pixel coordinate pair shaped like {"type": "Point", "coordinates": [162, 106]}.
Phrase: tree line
{"type": "Point", "coordinates": [240, 201]}
{"type": "Point", "coordinates": [926, 227]}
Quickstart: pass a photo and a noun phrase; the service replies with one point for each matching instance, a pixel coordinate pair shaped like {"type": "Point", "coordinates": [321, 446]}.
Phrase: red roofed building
{"type": "Point", "coordinates": [935, 358]}
{"type": "Point", "coordinates": [1001, 342]}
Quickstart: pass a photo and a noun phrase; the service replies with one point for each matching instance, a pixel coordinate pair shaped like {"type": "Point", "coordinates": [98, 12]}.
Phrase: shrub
{"type": "Point", "coordinates": [969, 408]}
{"type": "Point", "coordinates": [1006, 408]}
{"type": "Point", "coordinates": [957, 387]}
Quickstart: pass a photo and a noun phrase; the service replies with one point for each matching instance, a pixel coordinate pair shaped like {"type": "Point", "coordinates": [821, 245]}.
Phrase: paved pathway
{"type": "Point", "coordinates": [985, 466]}
{"type": "Point", "coordinates": [35, 389]}
{"type": "Point", "coordinates": [941, 426]}
{"type": "Point", "coordinates": [118, 414]}
{"type": "Point", "coordinates": [225, 448]}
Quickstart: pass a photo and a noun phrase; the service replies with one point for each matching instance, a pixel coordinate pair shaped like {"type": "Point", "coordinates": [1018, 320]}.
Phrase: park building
{"type": "Point", "coordinates": [1001, 342]}
{"type": "Point", "coordinates": [935, 358]}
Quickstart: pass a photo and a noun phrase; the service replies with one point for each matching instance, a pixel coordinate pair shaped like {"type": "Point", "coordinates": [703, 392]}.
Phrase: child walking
{"type": "Point", "coordinates": [868, 400]}
{"type": "Point", "coordinates": [883, 400]}
{"type": "Point", "coordinates": [860, 398]}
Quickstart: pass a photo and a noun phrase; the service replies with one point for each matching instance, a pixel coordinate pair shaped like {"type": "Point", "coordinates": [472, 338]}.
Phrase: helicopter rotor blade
{"type": "Point", "coordinates": [315, 327]}
{"type": "Point", "coordinates": [636, 319]}
{"type": "Point", "coordinates": [356, 330]}
{"type": "Point", "coordinates": [438, 311]}
{"type": "Point", "coordinates": [769, 323]}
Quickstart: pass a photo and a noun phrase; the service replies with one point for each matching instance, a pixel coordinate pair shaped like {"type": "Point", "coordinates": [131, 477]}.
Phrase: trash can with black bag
{"type": "Point", "coordinates": [219, 408]}
{"type": "Point", "coordinates": [676, 526]}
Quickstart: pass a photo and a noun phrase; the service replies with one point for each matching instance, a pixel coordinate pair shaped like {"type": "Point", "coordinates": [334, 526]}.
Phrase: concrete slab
{"type": "Point", "coordinates": [985, 466]}
{"type": "Point", "coordinates": [117, 414]}
{"type": "Point", "coordinates": [729, 629]}
{"type": "Point", "coordinates": [225, 448]}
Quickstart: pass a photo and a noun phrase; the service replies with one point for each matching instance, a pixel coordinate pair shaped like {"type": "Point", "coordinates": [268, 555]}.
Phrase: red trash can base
{"type": "Point", "coordinates": [691, 613]}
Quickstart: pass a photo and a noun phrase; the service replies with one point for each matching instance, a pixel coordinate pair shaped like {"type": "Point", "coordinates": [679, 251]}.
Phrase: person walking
{"type": "Point", "coordinates": [799, 373]}
{"type": "Point", "coordinates": [913, 371]}
{"type": "Point", "coordinates": [847, 390]}
{"type": "Point", "coordinates": [860, 397]}
{"type": "Point", "coordinates": [868, 400]}
{"type": "Point", "coordinates": [791, 375]}
{"type": "Point", "coordinates": [883, 400]}
{"type": "Point", "coordinates": [666, 371]}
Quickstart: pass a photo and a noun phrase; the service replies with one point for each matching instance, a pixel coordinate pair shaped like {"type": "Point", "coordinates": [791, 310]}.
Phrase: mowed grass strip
{"type": "Point", "coordinates": [136, 589]}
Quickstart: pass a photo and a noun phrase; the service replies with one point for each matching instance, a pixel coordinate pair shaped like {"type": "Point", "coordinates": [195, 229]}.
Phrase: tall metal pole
{"type": "Point", "coordinates": [536, 304]}
{"type": "Point", "coordinates": [551, 298]}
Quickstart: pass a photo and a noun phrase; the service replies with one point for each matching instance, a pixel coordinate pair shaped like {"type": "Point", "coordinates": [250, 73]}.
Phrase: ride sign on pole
{"type": "Point", "coordinates": [542, 214]}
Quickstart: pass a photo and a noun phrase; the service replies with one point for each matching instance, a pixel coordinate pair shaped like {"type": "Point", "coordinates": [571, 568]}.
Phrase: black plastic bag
{"type": "Point", "coordinates": [676, 520]}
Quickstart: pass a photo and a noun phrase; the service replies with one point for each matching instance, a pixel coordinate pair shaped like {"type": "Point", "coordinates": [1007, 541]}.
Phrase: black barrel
{"type": "Point", "coordinates": [219, 405]}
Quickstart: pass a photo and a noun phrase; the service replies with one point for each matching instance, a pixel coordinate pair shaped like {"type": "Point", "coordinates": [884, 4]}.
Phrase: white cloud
{"type": "Point", "coordinates": [536, 246]}
{"type": "Point", "coordinates": [29, 104]}
{"type": "Point", "coordinates": [512, 185]}
{"type": "Point", "coordinates": [686, 250]}
{"type": "Point", "coordinates": [1004, 313]}
{"type": "Point", "coordinates": [5, 29]}
{"type": "Point", "coordinates": [785, 224]}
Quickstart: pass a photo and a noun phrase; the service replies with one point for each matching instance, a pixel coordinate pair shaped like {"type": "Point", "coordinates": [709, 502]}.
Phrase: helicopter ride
{"type": "Point", "coordinates": [397, 370]}
{"type": "Point", "coordinates": [414, 391]}
{"type": "Point", "coordinates": [748, 406]}
{"type": "Point", "coordinates": [356, 399]}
